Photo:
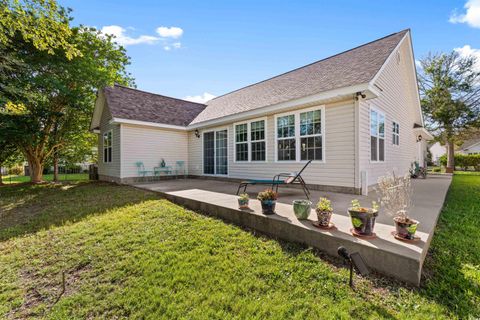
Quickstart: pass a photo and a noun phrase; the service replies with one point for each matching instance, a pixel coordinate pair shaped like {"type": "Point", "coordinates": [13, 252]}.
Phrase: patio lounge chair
{"type": "Point", "coordinates": [280, 179]}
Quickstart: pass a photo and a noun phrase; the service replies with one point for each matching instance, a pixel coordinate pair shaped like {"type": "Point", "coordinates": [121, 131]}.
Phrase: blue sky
{"type": "Point", "coordinates": [218, 46]}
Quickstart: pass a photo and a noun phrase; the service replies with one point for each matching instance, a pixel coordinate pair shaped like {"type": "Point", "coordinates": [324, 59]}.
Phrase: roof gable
{"type": "Point", "coordinates": [352, 67]}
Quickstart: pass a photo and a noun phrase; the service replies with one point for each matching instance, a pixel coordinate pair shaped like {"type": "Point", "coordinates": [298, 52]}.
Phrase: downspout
{"type": "Point", "coordinates": [356, 178]}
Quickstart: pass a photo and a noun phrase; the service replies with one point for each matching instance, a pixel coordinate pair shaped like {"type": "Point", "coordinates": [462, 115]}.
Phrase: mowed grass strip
{"type": "Point", "coordinates": [128, 254]}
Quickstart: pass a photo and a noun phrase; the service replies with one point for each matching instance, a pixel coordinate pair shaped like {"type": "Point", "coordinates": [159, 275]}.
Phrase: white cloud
{"type": "Point", "coordinates": [122, 39]}
{"type": "Point", "coordinates": [466, 51]}
{"type": "Point", "coordinates": [170, 32]}
{"type": "Point", "coordinates": [177, 45]}
{"type": "Point", "coordinates": [200, 98]}
{"type": "Point", "coordinates": [167, 48]}
{"type": "Point", "coordinates": [471, 15]}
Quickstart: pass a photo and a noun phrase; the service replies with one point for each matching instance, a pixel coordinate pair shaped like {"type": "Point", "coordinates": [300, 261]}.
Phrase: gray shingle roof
{"type": "Point", "coordinates": [132, 104]}
{"type": "Point", "coordinates": [355, 66]}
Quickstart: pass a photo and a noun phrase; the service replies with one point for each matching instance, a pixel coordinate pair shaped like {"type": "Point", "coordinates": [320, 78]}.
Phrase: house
{"type": "Point", "coordinates": [471, 146]}
{"type": "Point", "coordinates": [437, 151]}
{"type": "Point", "coordinates": [355, 114]}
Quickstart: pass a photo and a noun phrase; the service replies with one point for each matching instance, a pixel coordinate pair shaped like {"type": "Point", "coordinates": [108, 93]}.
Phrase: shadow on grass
{"type": "Point", "coordinates": [26, 208]}
{"type": "Point", "coordinates": [452, 267]}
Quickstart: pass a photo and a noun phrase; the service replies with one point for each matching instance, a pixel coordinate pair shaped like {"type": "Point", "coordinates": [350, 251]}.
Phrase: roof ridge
{"type": "Point", "coordinates": [156, 94]}
{"type": "Point", "coordinates": [312, 63]}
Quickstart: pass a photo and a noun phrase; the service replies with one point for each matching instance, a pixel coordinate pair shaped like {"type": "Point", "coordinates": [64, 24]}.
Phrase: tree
{"type": "Point", "coordinates": [450, 97]}
{"type": "Point", "coordinates": [58, 95]}
{"type": "Point", "coordinates": [43, 23]}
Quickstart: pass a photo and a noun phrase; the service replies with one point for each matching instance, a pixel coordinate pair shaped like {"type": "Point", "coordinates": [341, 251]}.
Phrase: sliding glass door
{"type": "Point", "coordinates": [215, 152]}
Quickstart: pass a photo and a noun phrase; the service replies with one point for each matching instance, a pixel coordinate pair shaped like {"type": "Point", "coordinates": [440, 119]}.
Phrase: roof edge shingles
{"type": "Point", "coordinates": [358, 65]}
{"type": "Point", "coordinates": [133, 104]}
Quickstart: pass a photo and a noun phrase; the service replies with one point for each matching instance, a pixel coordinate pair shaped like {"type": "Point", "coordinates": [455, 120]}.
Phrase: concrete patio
{"type": "Point", "coordinates": [385, 254]}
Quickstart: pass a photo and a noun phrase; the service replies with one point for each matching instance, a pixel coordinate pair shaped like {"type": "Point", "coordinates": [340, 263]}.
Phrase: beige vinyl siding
{"type": "Point", "coordinates": [337, 170]}
{"type": "Point", "coordinates": [398, 102]}
{"type": "Point", "coordinates": [150, 145]}
{"type": "Point", "coordinates": [111, 169]}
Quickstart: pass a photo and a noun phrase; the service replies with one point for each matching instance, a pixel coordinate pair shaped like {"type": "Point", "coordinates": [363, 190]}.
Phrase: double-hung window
{"type": "Point", "coordinates": [250, 141]}
{"type": "Point", "coordinates": [107, 146]}
{"type": "Point", "coordinates": [395, 133]}
{"type": "Point", "coordinates": [241, 142]}
{"type": "Point", "coordinates": [286, 140]}
{"type": "Point", "coordinates": [377, 136]}
{"type": "Point", "coordinates": [311, 135]}
{"type": "Point", "coordinates": [257, 140]}
{"type": "Point", "coordinates": [299, 135]}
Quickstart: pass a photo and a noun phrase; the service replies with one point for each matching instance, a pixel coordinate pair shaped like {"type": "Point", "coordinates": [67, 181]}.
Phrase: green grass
{"type": "Point", "coordinates": [47, 177]}
{"type": "Point", "coordinates": [128, 253]}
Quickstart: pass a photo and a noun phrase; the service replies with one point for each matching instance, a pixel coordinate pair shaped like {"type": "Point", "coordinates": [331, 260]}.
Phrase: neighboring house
{"type": "Point", "coordinates": [437, 151]}
{"type": "Point", "coordinates": [356, 115]}
{"type": "Point", "coordinates": [471, 146]}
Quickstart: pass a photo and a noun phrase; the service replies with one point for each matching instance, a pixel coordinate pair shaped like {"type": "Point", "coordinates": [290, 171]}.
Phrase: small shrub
{"type": "Point", "coordinates": [244, 196]}
{"type": "Point", "coordinates": [267, 194]}
{"type": "Point", "coordinates": [324, 205]}
{"type": "Point", "coordinates": [437, 169]}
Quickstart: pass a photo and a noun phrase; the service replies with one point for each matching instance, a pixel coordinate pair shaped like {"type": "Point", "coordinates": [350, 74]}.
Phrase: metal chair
{"type": "Point", "coordinates": [280, 179]}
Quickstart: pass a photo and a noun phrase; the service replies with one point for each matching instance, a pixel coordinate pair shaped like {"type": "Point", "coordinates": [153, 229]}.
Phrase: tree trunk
{"type": "Point", "coordinates": [55, 167]}
{"type": "Point", "coordinates": [450, 157]}
{"type": "Point", "coordinates": [1, 178]}
{"type": "Point", "coordinates": [36, 171]}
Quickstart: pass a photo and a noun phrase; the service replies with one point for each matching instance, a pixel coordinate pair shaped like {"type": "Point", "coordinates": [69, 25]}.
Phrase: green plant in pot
{"type": "Point", "coordinates": [243, 201]}
{"type": "Point", "coordinates": [363, 218]}
{"type": "Point", "coordinates": [302, 208]}
{"type": "Point", "coordinates": [395, 194]}
{"type": "Point", "coordinates": [268, 199]}
{"type": "Point", "coordinates": [324, 212]}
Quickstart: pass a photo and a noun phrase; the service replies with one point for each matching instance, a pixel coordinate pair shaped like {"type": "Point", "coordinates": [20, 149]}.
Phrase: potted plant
{"type": "Point", "coordinates": [395, 194]}
{"type": "Point", "coordinates": [268, 199]}
{"type": "Point", "coordinates": [363, 218]}
{"type": "Point", "coordinates": [302, 208]}
{"type": "Point", "coordinates": [324, 212]}
{"type": "Point", "coordinates": [243, 201]}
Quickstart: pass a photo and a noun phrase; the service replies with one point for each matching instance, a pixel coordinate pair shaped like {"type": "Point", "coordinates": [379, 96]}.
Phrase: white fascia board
{"type": "Point", "coordinates": [284, 106]}
{"type": "Point", "coordinates": [147, 124]}
{"type": "Point", "coordinates": [97, 112]}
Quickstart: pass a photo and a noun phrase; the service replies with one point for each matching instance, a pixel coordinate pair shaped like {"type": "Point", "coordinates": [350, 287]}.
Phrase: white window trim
{"type": "Point", "coordinates": [249, 141]}
{"type": "Point", "coordinates": [103, 146]}
{"type": "Point", "coordinates": [398, 134]}
{"type": "Point", "coordinates": [297, 136]}
{"type": "Point", "coordinates": [202, 133]}
{"type": "Point", "coordinates": [379, 111]}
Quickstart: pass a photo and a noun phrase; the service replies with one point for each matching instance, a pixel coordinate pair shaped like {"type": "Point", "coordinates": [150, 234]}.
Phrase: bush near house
{"type": "Point", "coordinates": [464, 161]}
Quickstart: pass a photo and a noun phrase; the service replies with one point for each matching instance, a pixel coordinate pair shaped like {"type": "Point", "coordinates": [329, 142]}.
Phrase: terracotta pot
{"type": "Point", "coordinates": [324, 217]}
{"type": "Point", "coordinates": [268, 206]}
{"type": "Point", "coordinates": [243, 203]}
{"type": "Point", "coordinates": [302, 208]}
{"type": "Point", "coordinates": [407, 229]}
{"type": "Point", "coordinates": [363, 222]}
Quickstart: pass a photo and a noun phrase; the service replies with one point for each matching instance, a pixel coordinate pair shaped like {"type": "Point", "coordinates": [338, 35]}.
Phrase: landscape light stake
{"type": "Point", "coordinates": [354, 259]}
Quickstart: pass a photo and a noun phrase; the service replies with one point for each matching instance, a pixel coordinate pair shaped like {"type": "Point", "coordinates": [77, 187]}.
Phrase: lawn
{"type": "Point", "coordinates": [47, 177]}
{"type": "Point", "coordinates": [128, 253]}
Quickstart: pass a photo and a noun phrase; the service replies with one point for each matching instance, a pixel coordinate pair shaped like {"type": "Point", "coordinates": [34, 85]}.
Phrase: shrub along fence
{"type": "Point", "coordinates": [464, 161]}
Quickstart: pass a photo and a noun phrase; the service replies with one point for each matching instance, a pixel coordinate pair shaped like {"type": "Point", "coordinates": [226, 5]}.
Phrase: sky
{"type": "Point", "coordinates": [196, 50]}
